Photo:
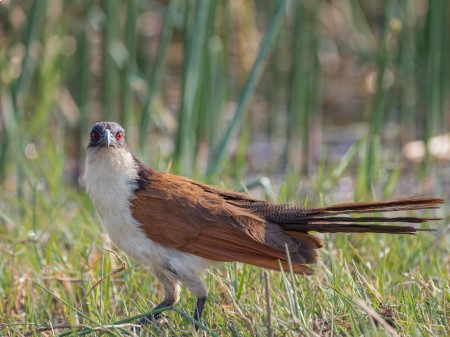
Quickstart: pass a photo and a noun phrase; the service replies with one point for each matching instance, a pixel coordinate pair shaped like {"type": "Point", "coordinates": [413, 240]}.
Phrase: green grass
{"type": "Point", "coordinates": [304, 102]}
{"type": "Point", "coordinates": [47, 269]}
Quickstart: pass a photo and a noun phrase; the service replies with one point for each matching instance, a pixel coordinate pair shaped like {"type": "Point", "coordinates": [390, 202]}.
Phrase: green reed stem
{"type": "Point", "coordinates": [219, 154]}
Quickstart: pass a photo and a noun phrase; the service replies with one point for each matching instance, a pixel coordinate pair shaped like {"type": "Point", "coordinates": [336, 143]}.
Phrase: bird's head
{"type": "Point", "coordinates": [107, 134]}
{"type": "Point", "coordinates": [108, 157]}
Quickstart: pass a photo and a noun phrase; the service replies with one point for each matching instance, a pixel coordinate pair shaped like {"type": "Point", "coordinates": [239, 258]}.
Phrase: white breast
{"type": "Point", "coordinates": [110, 178]}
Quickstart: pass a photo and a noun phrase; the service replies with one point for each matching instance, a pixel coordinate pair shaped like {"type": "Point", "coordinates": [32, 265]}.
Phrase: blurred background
{"type": "Point", "coordinates": [304, 101]}
{"type": "Point", "coordinates": [338, 96]}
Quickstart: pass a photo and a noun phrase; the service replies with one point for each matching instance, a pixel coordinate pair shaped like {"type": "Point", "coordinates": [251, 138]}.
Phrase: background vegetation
{"type": "Point", "coordinates": [309, 102]}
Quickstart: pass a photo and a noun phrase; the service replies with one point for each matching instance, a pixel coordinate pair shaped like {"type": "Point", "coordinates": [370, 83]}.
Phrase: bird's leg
{"type": "Point", "coordinates": [199, 308]}
{"type": "Point", "coordinates": [171, 295]}
{"type": "Point", "coordinates": [196, 286]}
{"type": "Point", "coordinates": [154, 317]}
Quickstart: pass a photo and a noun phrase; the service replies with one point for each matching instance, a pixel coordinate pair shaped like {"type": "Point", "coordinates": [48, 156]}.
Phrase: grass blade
{"type": "Point", "coordinates": [154, 79]}
{"type": "Point", "coordinates": [217, 158]}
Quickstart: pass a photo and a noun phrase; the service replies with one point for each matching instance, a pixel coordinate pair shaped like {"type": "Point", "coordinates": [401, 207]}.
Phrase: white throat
{"type": "Point", "coordinates": [110, 179]}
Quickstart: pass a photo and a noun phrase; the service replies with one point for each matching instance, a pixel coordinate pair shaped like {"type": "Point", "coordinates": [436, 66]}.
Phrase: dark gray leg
{"type": "Point", "coordinates": [171, 295]}
{"type": "Point", "coordinates": [151, 318]}
{"type": "Point", "coordinates": [196, 286]}
{"type": "Point", "coordinates": [199, 308]}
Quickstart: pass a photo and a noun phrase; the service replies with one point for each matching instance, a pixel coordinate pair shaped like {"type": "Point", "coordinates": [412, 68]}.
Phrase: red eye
{"type": "Point", "coordinates": [95, 136]}
{"type": "Point", "coordinates": [119, 135]}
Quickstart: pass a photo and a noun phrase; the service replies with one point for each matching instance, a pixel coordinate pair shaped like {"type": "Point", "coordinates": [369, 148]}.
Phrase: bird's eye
{"type": "Point", "coordinates": [95, 136]}
{"type": "Point", "coordinates": [119, 135]}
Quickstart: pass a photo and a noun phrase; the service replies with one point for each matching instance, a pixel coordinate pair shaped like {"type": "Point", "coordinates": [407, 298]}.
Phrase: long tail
{"type": "Point", "coordinates": [297, 223]}
{"type": "Point", "coordinates": [333, 219]}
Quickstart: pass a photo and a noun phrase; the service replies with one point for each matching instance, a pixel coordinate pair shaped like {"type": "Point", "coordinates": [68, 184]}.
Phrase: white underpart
{"type": "Point", "coordinates": [110, 179]}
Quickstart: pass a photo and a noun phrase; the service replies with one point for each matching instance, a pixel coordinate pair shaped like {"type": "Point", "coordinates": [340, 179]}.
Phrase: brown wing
{"type": "Point", "coordinates": [178, 213]}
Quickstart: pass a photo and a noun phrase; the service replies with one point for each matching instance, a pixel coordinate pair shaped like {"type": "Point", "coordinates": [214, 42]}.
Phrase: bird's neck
{"type": "Point", "coordinates": [110, 177]}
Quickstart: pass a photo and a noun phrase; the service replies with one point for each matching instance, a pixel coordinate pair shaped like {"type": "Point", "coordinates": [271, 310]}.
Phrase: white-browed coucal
{"type": "Point", "coordinates": [179, 227]}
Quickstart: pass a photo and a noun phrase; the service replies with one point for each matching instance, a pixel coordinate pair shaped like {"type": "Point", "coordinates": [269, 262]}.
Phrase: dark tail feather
{"type": "Point", "coordinates": [355, 228]}
{"type": "Point", "coordinates": [332, 219]}
{"type": "Point", "coordinates": [403, 204]}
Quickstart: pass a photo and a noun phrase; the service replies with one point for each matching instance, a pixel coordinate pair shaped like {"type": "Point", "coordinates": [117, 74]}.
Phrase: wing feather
{"type": "Point", "coordinates": [184, 216]}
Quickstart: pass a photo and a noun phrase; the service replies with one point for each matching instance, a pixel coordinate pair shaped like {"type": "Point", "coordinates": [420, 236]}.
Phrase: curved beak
{"type": "Point", "coordinates": [106, 138]}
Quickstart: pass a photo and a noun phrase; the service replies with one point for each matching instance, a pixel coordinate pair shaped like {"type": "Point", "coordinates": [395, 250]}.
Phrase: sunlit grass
{"type": "Point", "coordinates": [46, 272]}
{"type": "Point", "coordinates": [192, 82]}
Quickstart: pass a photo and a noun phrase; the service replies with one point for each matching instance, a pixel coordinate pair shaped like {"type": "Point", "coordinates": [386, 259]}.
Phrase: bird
{"type": "Point", "coordinates": [179, 227]}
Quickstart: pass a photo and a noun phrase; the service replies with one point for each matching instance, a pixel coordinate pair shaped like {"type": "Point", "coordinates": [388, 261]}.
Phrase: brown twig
{"type": "Point", "coordinates": [77, 326]}
{"type": "Point", "coordinates": [269, 306]}
{"type": "Point", "coordinates": [53, 327]}
{"type": "Point", "coordinates": [61, 279]}
{"type": "Point", "coordinates": [375, 316]}
{"type": "Point", "coordinates": [113, 272]}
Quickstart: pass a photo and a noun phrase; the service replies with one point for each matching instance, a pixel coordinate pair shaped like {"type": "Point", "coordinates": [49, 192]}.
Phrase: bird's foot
{"type": "Point", "coordinates": [150, 322]}
{"type": "Point", "coordinates": [158, 317]}
{"type": "Point", "coordinates": [146, 320]}
{"type": "Point", "coordinates": [153, 319]}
